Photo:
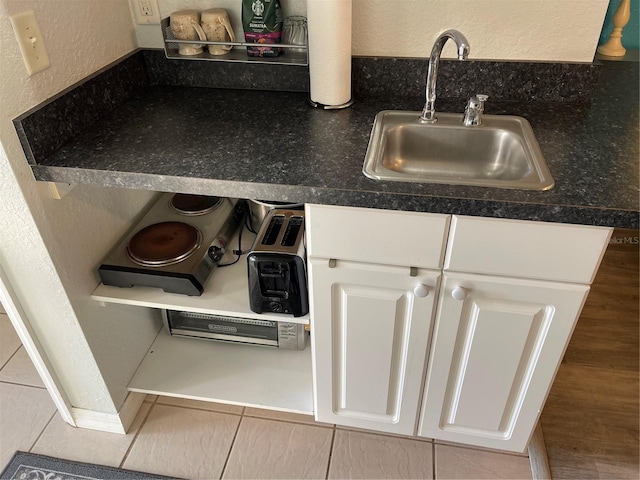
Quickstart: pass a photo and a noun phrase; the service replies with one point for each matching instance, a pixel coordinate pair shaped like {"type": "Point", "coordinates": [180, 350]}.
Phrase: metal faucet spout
{"type": "Point", "coordinates": [463, 48]}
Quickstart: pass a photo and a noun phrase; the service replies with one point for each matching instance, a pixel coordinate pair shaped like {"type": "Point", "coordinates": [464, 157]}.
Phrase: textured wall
{"type": "Point", "coordinates": [50, 248]}
{"type": "Point", "coordinates": [545, 30]}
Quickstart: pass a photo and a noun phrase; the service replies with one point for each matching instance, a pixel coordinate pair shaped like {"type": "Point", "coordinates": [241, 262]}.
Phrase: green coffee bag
{"type": "Point", "coordinates": [262, 23]}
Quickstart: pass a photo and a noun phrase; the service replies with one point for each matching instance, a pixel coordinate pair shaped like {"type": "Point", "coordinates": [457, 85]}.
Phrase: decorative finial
{"type": "Point", "coordinates": [613, 47]}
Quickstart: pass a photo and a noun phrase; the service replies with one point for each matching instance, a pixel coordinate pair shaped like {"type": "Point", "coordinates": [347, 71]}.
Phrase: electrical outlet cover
{"type": "Point", "coordinates": [31, 41]}
{"type": "Point", "coordinates": [145, 12]}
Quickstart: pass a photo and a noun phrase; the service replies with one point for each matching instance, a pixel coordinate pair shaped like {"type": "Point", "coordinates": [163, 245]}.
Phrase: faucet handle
{"type": "Point", "coordinates": [474, 110]}
{"type": "Point", "coordinates": [477, 101]}
{"type": "Point", "coordinates": [482, 98]}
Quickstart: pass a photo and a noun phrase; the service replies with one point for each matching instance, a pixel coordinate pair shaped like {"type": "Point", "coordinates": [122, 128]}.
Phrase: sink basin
{"type": "Point", "coordinates": [502, 152]}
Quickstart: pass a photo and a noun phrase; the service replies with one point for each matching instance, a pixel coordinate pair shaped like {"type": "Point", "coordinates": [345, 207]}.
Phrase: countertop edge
{"type": "Point", "coordinates": [594, 216]}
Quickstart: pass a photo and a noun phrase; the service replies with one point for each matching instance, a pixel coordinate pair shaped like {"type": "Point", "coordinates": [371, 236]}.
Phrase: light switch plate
{"type": "Point", "coordinates": [31, 41]}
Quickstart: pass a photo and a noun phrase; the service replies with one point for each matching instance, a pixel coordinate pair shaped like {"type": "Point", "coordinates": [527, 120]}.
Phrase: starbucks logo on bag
{"type": "Point", "coordinates": [257, 7]}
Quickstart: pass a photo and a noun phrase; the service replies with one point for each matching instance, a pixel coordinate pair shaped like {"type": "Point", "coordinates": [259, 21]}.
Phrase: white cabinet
{"type": "Point", "coordinates": [496, 346]}
{"type": "Point", "coordinates": [370, 343]}
{"type": "Point", "coordinates": [374, 278]}
{"type": "Point", "coordinates": [447, 327]}
{"type": "Point", "coordinates": [504, 295]}
{"type": "Point", "coordinates": [498, 339]}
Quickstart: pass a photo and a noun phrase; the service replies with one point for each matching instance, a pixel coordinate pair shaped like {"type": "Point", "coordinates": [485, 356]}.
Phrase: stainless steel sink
{"type": "Point", "coordinates": [502, 152]}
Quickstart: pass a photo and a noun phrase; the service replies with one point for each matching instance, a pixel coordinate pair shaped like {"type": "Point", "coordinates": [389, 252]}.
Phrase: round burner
{"type": "Point", "coordinates": [164, 243]}
{"type": "Point", "coordinates": [194, 204]}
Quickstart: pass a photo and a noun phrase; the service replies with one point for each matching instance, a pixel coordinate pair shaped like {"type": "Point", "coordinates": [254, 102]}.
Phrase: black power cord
{"type": "Point", "coordinates": [239, 252]}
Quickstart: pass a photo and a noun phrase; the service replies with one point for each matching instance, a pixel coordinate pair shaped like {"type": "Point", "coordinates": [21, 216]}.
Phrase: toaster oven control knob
{"type": "Point", "coordinates": [459, 293]}
{"type": "Point", "coordinates": [421, 290]}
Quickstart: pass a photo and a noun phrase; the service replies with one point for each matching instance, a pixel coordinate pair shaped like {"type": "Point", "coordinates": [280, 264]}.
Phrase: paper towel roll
{"type": "Point", "coordinates": [329, 24]}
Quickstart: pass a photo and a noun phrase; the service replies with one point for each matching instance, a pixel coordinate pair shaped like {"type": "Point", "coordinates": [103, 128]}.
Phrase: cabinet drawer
{"type": "Point", "coordinates": [517, 248]}
{"type": "Point", "coordinates": [376, 236]}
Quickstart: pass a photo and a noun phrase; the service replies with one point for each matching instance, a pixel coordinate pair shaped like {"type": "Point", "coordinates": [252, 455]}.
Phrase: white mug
{"type": "Point", "coordinates": [185, 25]}
{"type": "Point", "coordinates": [217, 28]}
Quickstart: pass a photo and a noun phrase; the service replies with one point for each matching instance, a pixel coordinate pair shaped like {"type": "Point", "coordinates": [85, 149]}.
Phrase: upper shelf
{"type": "Point", "coordinates": [291, 56]}
{"type": "Point", "coordinates": [225, 293]}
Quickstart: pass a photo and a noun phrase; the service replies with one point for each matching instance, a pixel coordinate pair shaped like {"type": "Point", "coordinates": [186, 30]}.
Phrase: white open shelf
{"type": "Point", "coordinates": [199, 369]}
{"type": "Point", "coordinates": [225, 293]}
{"type": "Point", "coordinates": [250, 375]}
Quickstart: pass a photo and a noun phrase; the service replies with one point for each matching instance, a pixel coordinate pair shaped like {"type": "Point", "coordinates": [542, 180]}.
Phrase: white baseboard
{"type": "Point", "coordinates": [11, 305]}
{"type": "Point", "coordinates": [110, 422]}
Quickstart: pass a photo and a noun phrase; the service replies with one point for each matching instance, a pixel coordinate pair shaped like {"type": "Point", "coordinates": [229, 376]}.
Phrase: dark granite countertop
{"type": "Point", "coordinates": [273, 146]}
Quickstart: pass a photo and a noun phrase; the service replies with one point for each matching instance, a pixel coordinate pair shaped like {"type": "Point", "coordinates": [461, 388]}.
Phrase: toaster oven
{"type": "Point", "coordinates": [288, 335]}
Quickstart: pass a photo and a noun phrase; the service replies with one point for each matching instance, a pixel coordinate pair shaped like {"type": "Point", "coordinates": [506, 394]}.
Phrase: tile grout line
{"type": "Point", "coordinates": [236, 414]}
{"type": "Point", "coordinates": [433, 460]}
{"type": "Point", "coordinates": [135, 437]}
{"type": "Point", "coordinates": [23, 385]}
{"type": "Point", "coordinates": [10, 357]}
{"type": "Point", "coordinates": [477, 448]}
{"type": "Point", "coordinates": [233, 441]}
{"type": "Point", "coordinates": [294, 422]}
{"type": "Point", "coordinates": [42, 431]}
{"type": "Point", "coordinates": [384, 434]}
{"type": "Point", "coordinates": [333, 440]}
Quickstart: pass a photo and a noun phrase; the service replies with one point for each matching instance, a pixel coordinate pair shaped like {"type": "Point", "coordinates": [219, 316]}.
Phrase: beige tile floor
{"type": "Point", "coordinates": [191, 439]}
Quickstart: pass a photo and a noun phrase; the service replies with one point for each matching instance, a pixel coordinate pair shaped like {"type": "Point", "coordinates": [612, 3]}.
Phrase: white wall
{"type": "Point", "coordinates": [50, 248]}
{"type": "Point", "coordinates": [537, 30]}
{"type": "Point", "coordinates": [543, 30]}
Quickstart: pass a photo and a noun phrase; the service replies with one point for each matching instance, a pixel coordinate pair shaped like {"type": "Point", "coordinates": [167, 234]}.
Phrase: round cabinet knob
{"type": "Point", "coordinates": [459, 293]}
{"type": "Point", "coordinates": [421, 290]}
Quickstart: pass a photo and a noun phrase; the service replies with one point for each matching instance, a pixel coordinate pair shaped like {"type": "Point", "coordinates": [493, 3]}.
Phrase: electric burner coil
{"type": "Point", "coordinates": [165, 243]}
{"type": "Point", "coordinates": [186, 204]}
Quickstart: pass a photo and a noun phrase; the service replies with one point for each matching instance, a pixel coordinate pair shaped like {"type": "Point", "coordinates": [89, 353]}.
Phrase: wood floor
{"type": "Point", "coordinates": [591, 418]}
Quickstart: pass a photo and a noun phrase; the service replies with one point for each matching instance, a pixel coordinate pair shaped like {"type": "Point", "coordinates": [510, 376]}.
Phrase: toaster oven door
{"type": "Point", "coordinates": [219, 327]}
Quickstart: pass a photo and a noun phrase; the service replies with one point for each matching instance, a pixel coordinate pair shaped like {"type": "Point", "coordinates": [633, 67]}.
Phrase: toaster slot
{"type": "Point", "coordinates": [275, 225]}
{"type": "Point", "coordinates": [292, 231]}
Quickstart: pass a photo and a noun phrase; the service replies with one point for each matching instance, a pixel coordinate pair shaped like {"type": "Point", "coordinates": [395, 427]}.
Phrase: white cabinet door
{"type": "Point", "coordinates": [370, 327]}
{"type": "Point", "coordinates": [496, 346]}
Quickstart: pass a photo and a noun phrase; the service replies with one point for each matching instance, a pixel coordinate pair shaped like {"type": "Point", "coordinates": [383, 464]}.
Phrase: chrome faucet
{"type": "Point", "coordinates": [429, 112]}
{"type": "Point", "coordinates": [474, 110]}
